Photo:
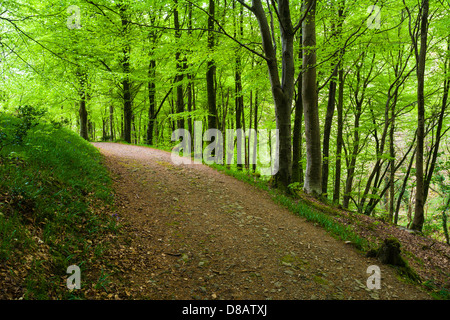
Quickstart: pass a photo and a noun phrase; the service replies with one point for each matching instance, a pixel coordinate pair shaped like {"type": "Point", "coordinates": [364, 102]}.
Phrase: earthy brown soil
{"type": "Point", "coordinates": [194, 233]}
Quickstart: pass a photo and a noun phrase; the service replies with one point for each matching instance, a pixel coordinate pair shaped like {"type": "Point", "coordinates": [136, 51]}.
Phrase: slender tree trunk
{"type": "Point", "coordinates": [297, 167]}
{"type": "Point", "coordinates": [313, 175]}
{"type": "Point", "coordinates": [127, 111]}
{"type": "Point", "coordinates": [392, 165]}
{"type": "Point", "coordinates": [82, 111]}
{"type": "Point", "coordinates": [83, 118]}
{"type": "Point", "coordinates": [339, 139]}
{"type": "Point", "coordinates": [444, 222]}
{"type": "Point", "coordinates": [256, 129]}
{"type": "Point", "coordinates": [104, 125]}
{"type": "Point", "coordinates": [239, 106]}
{"type": "Point", "coordinates": [339, 110]}
{"type": "Point", "coordinates": [111, 122]}
{"type": "Point", "coordinates": [126, 84]}
{"type": "Point", "coordinates": [353, 156]}
{"type": "Point", "coordinates": [403, 188]}
{"type": "Point", "coordinates": [152, 101]}
{"type": "Point", "coordinates": [190, 78]}
{"type": "Point", "coordinates": [418, 220]}
{"type": "Point", "coordinates": [211, 70]}
{"type": "Point", "coordinates": [327, 131]}
{"type": "Point", "coordinates": [444, 102]}
{"type": "Point", "coordinates": [179, 77]}
{"type": "Point", "coordinates": [239, 98]}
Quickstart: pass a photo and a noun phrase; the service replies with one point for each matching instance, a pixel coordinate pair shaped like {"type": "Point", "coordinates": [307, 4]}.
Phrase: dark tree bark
{"type": "Point", "coordinates": [111, 122]}
{"type": "Point", "coordinates": [297, 167]}
{"type": "Point", "coordinates": [211, 70]}
{"type": "Point", "coordinates": [82, 111]}
{"type": "Point", "coordinates": [327, 130]}
{"type": "Point", "coordinates": [418, 219]}
{"type": "Point", "coordinates": [433, 158]}
{"type": "Point", "coordinates": [339, 138]}
{"type": "Point", "coordinates": [239, 98]}
{"type": "Point", "coordinates": [313, 174]}
{"type": "Point", "coordinates": [339, 110]}
{"type": "Point", "coordinates": [83, 118]}
{"type": "Point", "coordinates": [179, 77]}
{"type": "Point", "coordinates": [152, 102]}
{"type": "Point", "coordinates": [361, 85]}
{"type": "Point", "coordinates": [283, 87]}
{"type": "Point", "coordinates": [126, 83]}
{"type": "Point", "coordinates": [352, 161]}
{"type": "Point", "coordinates": [127, 108]}
{"type": "Point", "coordinates": [239, 107]}
{"type": "Point", "coordinates": [256, 128]}
{"type": "Point", "coordinates": [404, 184]}
{"type": "Point", "coordinates": [392, 165]}
{"type": "Point", "coordinates": [190, 77]}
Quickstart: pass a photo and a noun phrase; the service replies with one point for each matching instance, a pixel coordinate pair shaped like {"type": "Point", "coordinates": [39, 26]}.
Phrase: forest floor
{"type": "Point", "coordinates": [191, 232]}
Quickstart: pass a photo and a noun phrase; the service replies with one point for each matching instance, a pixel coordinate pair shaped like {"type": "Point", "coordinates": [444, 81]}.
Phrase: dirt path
{"type": "Point", "coordinates": [198, 234]}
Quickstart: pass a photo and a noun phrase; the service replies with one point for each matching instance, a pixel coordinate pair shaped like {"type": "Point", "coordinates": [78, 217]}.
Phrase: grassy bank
{"type": "Point", "coordinates": [54, 193]}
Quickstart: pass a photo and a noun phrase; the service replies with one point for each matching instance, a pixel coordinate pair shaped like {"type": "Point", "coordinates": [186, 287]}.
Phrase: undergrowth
{"type": "Point", "coordinates": [54, 193]}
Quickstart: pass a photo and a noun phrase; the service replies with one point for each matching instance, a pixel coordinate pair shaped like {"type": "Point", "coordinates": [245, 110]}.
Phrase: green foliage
{"type": "Point", "coordinates": [54, 184]}
{"type": "Point", "coordinates": [14, 131]}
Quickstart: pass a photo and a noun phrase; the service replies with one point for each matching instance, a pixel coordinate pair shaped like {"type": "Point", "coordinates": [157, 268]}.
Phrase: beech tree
{"type": "Point", "coordinates": [282, 86]}
{"type": "Point", "coordinates": [420, 30]}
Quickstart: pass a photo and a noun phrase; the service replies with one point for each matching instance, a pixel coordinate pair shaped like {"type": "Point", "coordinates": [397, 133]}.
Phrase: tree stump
{"type": "Point", "coordinates": [390, 253]}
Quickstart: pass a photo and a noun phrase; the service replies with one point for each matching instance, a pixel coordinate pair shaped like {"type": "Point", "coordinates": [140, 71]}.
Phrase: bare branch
{"type": "Point", "coordinates": [245, 5]}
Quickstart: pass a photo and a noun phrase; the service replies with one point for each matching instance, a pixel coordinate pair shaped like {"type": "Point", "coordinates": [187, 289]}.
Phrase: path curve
{"type": "Point", "coordinates": [199, 234]}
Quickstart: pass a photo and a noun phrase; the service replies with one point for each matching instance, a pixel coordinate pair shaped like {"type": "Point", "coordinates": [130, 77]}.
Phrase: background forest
{"type": "Point", "coordinates": [358, 90]}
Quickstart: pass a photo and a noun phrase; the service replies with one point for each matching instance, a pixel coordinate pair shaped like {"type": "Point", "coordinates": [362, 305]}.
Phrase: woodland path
{"type": "Point", "coordinates": [195, 233]}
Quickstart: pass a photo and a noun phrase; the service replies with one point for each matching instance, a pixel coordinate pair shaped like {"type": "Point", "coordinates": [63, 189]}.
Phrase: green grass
{"type": "Point", "coordinates": [53, 194]}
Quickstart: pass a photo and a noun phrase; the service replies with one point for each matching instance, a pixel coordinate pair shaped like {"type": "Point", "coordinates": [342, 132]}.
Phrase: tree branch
{"type": "Point", "coordinates": [245, 5]}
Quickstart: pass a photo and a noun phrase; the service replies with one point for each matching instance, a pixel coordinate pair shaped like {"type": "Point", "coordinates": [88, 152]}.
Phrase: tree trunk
{"type": "Point", "coordinates": [239, 99]}
{"type": "Point", "coordinates": [239, 106]}
{"type": "Point", "coordinates": [126, 84]}
{"type": "Point", "coordinates": [111, 122]}
{"type": "Point", "coordinates": [339, 139]}
{"type": "Point", "coordinates": [211, 71]}
{"type": "Point", "coordinates": [83, 118]}
{"type": "Point", "coordinates": [327, 130]}
{"type": "Point", "coordinates": [282, 90]}
{"type": "Point", "coordinates": [179, 77]}
{"type": "Point", "coordinates": [354, 154]}
{"type": "Point", "coordinates": [434, 156]}
{"type": "Point", "coordinates": [256, 129]}
{"type": "Point", "coordinates": [82, 111]}
{"type": "Point", "coordinates": [127, 111]}
{"type": "Point", "coordinates": [403, 188]}
{"type": "Point", "coordinates": [297, 167]}
{"type": "Point", "coordinates": [418, 220]}
{"type": "Point", "coordinates": [152, 101]}
{"type": "Point", "coordinates": [392, 165]}
{"type": "Point", "coordinates": [313, 175]}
